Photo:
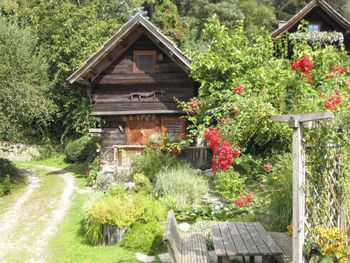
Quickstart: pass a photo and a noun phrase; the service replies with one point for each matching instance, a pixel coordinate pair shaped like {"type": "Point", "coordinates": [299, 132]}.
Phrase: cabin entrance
{"type": "Point", "coordinates": [140, 132]}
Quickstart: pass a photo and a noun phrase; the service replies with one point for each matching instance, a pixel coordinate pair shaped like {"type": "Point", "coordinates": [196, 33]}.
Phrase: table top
{"type": "Point", "coordinates": [242, 239]}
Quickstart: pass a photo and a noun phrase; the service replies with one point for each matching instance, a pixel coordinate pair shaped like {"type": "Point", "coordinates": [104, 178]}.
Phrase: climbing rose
{"type": "Point", "coordinates": [333, 101]}
{"type": "Point", "coordinates": [193, 106]}
{"type": "Point", "coordinates": [238, 90]}
{"type": "Point", "coordinates": [244, 200]}
{"type": "Point", "coordinates": [268, 167]}
{"type": "Point", "coordinates": [335, 71]}
{"type": "Point", "coordinates": [223, 153]}
{"type": "Point", "coordinates": [303, 65]}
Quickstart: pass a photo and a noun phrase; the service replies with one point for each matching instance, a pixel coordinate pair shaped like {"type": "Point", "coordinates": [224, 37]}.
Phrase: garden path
{"type": "Point", "coordinates": [33, 217]}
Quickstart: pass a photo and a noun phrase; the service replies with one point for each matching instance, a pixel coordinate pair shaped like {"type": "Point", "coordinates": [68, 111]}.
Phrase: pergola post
{"type": "Point", "coordinates": [298, 192]}
{"type": "Point", "coordinates": [296, 122]}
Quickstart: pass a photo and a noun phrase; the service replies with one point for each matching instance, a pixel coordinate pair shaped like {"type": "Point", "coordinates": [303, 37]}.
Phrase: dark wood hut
{"type": "Point", "coordinates": [321, 17]}
{"type": "Point", "coordinates": [132, 81]}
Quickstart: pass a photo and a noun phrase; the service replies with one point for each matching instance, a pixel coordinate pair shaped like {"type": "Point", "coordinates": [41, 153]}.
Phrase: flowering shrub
{"type": "Point", "coordinates": [223, 152]}
{"type": "Point", "coordinates": [244, 200]}
{"type": "Point", "coordinates": [238, 90]}
{"type": "Point", "coordinates": [303, 65]}
{"type": "Point", "coordinates": [319, 37]}
{"type": "Point", "coordinates": [229, 184]}
{"type": "Point", "coordinates": [328, 244]}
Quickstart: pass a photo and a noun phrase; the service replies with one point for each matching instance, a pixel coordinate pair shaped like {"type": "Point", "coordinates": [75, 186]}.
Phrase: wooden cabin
{"type": "Point", "coordinates": [321, 17]}
{"type": "Point", "coordinates": [132, 81]}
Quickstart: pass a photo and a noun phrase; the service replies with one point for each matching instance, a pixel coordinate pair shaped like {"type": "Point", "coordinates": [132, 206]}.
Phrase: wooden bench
{"type": "Point", "coordinates": [284, 241]}
{"type": "Point", "coordinates": [184, 248]}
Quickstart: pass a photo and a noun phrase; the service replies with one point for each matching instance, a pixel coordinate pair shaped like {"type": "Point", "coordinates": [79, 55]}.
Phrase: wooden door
{"type": "Point", "coordinates": [139, 132]}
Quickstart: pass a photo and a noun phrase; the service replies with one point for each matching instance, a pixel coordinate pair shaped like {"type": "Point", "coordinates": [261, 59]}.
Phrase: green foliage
{"type": "Point", "coordinates": [82, 149]}
{"type": "Point", "coordinates": [278, 185]}
{"type": "Point", "coordinates": [142, 183]}
{"type": "Point", "coordinates": [93, 169]}
{"type": "Point", "coordinates": [25, 99]}
{"type": "Point", "coordinates": [146, 238]}
{"type": "Point", "coordinates": [182, 183]}
{"type": "Point", "coordinates": [119, 210]}
{"type": "Point", "coordinates": [230, 185]}
{"type": "Point", "coordinates": [146, 235]}
{"type": "Point", "coordinates": [218, 212]}
{"type": "Point", "coordinates": [8, 176]}
{"type": "Point", "coordinates": [151, 162]}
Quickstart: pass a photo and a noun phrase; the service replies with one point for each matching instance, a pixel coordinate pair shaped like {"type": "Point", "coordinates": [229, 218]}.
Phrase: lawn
{"type": "Point", "coordinates": [69, 243]}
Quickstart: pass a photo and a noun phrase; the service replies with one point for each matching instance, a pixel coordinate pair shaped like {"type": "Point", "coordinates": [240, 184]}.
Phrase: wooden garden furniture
{"type": "Point", "coordinates": [184, 248]}
{"type": "Point", "coordinates": [243, 239]}
{"type": "Point", "coordinates": [284, 241]}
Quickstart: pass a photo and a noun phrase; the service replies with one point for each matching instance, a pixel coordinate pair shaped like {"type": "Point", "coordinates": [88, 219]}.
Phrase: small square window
{"type": "Point", "coordinates": [314, 28]}
{"type": "Point", "coordinates": [145, 61]}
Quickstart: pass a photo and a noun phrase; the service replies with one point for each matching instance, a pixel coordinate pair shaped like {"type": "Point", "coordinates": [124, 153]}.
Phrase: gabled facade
{"type": "Point", "coordinates": [322, 17]}
{"type": "Point", "coordinates": [132, 81]}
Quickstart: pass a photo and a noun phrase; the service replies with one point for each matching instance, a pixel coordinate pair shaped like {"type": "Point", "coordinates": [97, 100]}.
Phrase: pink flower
{"type": "Point", "coordinates": [238, 90]}
{"type": "Point", "coordinates": [268, 167]}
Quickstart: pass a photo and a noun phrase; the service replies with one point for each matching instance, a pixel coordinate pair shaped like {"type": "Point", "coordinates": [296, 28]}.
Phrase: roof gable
{"type": "Point", "coordinates": [120, 42]}
{"type": "Point", "coordinates": [324, 6]}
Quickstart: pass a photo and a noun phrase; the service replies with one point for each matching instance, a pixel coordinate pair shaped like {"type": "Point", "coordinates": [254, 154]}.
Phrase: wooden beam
{"type": "Point", "coordinates": [105, 113]}
{"type": "Point", "coordinates": [303, 117]}
{"type": "Point", "coordinates": [85, 82]}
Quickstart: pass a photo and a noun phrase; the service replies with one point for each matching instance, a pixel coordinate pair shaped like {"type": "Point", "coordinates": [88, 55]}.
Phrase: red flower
{"type": "Point", "coordinates": [303, 65]}
{"type": "Point", "coordinates": [244, 200]}
{"type": "Point", "coordinates": [238, 90]}
{"type": "Point", "coordinates": [193, 106]}
{"type": "Point", "coordinates": [268, 167]}
{"type": "Point", "coordinates": [335, 71]}
{"type": "Point", "coordinates": [213, 137]}
{"type": "Point", "coordinates": [333, 101]}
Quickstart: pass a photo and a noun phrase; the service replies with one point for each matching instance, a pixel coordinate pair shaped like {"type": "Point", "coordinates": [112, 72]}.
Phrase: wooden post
{"type": "Point", "coordinates": [298, 193]}
{"type": "Point", "coordinates": [297, 121]}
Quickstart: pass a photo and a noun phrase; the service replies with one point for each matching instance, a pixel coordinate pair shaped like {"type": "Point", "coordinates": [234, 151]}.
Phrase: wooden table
{"type": "Point", "coordinates": [243, 239]}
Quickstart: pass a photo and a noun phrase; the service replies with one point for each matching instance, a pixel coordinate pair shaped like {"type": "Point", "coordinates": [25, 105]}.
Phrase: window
{"type": "Point", "coordinates": [314, 27]}
{"type": "Point", "coordinates": [145, 61]}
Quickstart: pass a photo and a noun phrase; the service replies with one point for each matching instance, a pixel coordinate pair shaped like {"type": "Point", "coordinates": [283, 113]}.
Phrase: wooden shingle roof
{"type": "Point", "coordinates": [327, 8]}
{"type": "Point", "coordinates": [120, 42]}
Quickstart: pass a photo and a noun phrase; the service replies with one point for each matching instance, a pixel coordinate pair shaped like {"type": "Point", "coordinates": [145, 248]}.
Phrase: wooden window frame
{"type": "Point", "coordinates": [138, 53]}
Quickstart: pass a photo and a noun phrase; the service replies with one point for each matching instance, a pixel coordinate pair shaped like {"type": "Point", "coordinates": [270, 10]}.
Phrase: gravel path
{"type": "Point", "coordinates": [28, 225]}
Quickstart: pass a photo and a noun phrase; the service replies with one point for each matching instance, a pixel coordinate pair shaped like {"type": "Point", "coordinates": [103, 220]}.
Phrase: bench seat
{"type": "Point", "coordinates": [284, 241]}
{"type": "Point", "coordinates": [184, 248]}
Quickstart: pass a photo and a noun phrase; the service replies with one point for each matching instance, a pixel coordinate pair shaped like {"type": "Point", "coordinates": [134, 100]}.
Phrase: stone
{"type": "Point", "coordinates": [208, 172]}
{"type": "Point", "coordinates": [129, 185]}
{"type": "Point", "coordinates": [164, 258]}
{"type": "Point", "coordinates": [184, 227]}
{"type": "Point", "coordinates": [144, 258]}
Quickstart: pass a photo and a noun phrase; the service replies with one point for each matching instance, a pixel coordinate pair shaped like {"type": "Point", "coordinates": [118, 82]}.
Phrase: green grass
{"type": "Point", "coordinates": [69, 243]}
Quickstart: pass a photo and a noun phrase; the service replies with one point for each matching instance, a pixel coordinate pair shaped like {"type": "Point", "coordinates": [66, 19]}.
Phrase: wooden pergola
{"type": "Point", "coordinates": [297, 122]}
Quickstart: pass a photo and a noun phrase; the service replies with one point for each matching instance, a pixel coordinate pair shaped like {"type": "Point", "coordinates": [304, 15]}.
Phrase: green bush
{"type": "Point", "coordinates": [93, 169]}
{"type": "Point", "coordinates": [147, 238]}
{"type": "Point", "coordinates": [120, 210]}
{"type": "Point", "coordinates": [279, 186]}
{"type": "Point", "coordinates": [142, 183]}
{"type": "Point", "coordinates": [82, 149]}
{"type": "Point", "coordinates": [146, 235]}
{"type": "Point", "coordinates": [230, 185]}
{"type": "Point", "coordinates": [182, 183]}
{"type": "Point", "coordinates": [151, 162]}
{"type": "Point", "coordinates": [8, 176]}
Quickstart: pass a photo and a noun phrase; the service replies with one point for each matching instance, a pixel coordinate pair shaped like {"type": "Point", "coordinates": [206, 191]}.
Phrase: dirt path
{"type": "Point", "coordinates": [32, 220]}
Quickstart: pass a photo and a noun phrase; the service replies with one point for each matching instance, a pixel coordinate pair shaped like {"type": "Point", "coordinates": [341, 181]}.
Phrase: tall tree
{"type": "Point", "coordinates": [25, 103]}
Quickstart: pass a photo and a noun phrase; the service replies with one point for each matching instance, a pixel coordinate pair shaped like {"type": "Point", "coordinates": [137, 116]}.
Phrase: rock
{"type": "Point", "coordinates": [164, 258]}
{"type": "Point", "coordinates": [129, 185]}
{"type": "Point", "coordinates": [184, 227]}
{"type": "Point", "coordinates": [197, 171]}
{"type": "Point", "coordinates": [145, 258]}
{"type": "Point", "coordinates": [208, 172]}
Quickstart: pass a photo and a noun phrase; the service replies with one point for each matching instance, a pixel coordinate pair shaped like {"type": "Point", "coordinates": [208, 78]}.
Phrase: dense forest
{"type": "Point", "coordinates": [43, 42]}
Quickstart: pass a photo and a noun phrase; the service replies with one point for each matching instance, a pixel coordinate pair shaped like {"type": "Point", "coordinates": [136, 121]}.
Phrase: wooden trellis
{"type": "Point", "coordinates": [296, 122]}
